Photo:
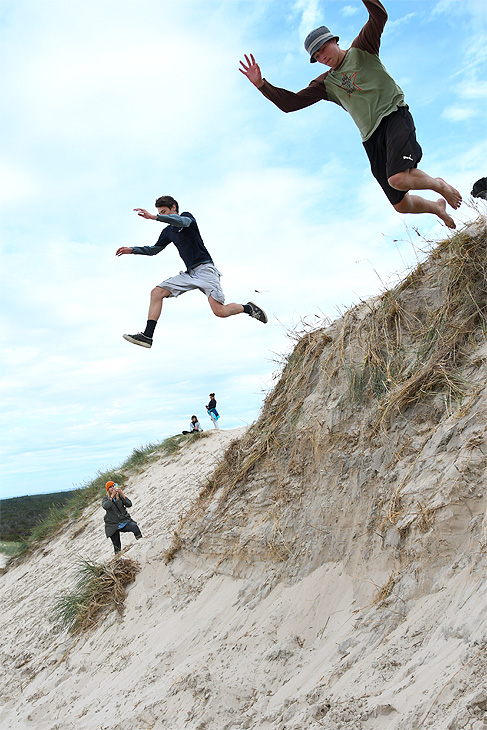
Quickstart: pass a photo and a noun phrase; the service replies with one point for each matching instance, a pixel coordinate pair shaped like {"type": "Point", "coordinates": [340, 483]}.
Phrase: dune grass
{"type": "Point", "coordinates": [409, 344]}
{"type": "Point", "coordinates": [99, 588]}
{"type": "Point", "coordinates": [10, 548]}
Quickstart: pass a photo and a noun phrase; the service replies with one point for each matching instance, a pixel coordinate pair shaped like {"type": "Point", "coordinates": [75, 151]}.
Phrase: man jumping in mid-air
{"type": "Point", "coordinates": [358, 82]}
{"type": "Point", "coordinates": [200, 270]}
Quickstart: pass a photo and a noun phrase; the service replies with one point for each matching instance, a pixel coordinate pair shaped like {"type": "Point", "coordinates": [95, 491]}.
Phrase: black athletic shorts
{"type": "Point", "coordinates": [393, 148]}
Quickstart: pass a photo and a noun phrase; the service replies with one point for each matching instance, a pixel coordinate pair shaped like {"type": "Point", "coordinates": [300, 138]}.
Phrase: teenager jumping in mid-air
{"type": "Point", "coordinates": [358, 82]}
{"type": "Point", "coordinates": [200, 270]}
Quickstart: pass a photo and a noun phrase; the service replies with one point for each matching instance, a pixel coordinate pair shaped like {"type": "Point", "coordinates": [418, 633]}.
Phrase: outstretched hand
{"type": "Point", "coordinates": [251, 70]}
{"type": "Point", "coordinates": [122, 250]}
{"type": "Point", "coordinates": [145, 214]}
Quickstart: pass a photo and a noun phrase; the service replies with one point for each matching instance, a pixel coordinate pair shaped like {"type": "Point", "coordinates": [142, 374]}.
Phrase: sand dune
{"type": "Point", "coordinates": [338, 580]}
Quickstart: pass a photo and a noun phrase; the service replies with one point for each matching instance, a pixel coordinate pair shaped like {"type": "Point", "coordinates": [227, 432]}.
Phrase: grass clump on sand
{"type": "Point", "coordinates": [99, 588]}
{"type": "Point", "coordinates": [414, 338]}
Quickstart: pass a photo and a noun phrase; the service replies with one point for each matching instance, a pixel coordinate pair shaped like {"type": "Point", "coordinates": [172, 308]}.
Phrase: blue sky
{"type": "Point", "coordinates": [105, 106]}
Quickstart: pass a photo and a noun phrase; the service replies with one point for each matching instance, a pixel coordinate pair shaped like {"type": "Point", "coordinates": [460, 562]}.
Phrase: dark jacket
{"type": "Point", "coordinates": [115, 513]}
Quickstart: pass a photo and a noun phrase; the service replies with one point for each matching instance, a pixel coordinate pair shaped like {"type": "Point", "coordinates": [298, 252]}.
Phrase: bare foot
{"type": "Point", "coordinates": [451, 195]}
{"type": "Point", "coordinates": [441, 213]}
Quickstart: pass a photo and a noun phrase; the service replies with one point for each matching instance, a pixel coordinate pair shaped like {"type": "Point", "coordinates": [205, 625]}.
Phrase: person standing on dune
{"type": "Point", "coordinates": [212, 412]}
{"type": "Point", "coordinates": [117, 519]}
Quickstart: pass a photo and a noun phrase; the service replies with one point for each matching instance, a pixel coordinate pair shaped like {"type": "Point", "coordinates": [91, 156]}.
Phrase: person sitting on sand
{"type": "Point", "coordinates": [194, 425]}
{"type": "Point", "coordinates": [358, 82]}
{"type": "Point", "coordinates": [117, 519]}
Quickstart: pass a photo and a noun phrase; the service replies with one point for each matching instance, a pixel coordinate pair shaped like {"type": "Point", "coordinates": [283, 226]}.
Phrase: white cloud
{"type": "Point", "coordinates": [458, 114]}
{"type": "Point", "coordinates": [310, 13]}
{"type": "Point", "coordinates": [349, 10]}
{"type": "Point", "coordinates": [394, 25]}
{"type": "Point", "coordinates": [473, 90]}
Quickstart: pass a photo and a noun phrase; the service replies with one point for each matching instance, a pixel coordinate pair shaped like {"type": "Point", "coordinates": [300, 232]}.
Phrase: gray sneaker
{"type": "Point", "coordinates": [257, 312]}
{"type": "Point", "coordinates": [139, 339]}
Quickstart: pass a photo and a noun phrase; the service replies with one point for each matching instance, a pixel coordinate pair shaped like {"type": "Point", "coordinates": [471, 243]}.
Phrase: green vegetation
{"type": "Point", "coordinates": [10, 548]}
{"type": "Point", "coordinates": [99, 588]}
{"type": "Point", "coordinates": [168, 447]}
{"type": "Point", "coordinates": [19, 515]}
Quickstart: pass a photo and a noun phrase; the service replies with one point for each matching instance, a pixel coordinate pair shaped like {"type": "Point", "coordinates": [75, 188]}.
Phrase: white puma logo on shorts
{"type": "Point", "coordinates": [407, 157]}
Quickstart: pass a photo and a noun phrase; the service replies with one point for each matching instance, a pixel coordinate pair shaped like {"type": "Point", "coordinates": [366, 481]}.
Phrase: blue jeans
{"type": "Point", "coordinates": [129, 527]}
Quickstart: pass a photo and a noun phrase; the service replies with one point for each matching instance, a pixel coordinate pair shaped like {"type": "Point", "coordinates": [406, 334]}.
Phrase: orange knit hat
{"type": "Point", "coordinates": [108, 485]}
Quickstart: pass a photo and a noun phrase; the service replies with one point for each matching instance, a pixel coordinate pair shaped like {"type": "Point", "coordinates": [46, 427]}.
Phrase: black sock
{"type": "Point", "coordinates": [247, 308]}
{"type": "Point", "coordinates": [149, 330]}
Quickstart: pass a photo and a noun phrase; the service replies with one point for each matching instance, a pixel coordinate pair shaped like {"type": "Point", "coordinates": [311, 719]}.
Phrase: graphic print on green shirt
{"type": "Point", "coordinates": [362, 86]}
{"type": "Point", "coordinates": [348, 83]}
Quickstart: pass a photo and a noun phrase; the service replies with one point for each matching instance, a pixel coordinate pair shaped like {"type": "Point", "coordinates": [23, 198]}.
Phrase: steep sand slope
{"type": "Point", "coordinates": [333, 576]}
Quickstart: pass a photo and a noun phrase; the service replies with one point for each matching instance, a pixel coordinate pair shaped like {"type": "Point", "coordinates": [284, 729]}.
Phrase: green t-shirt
{"type": "Point", "coordinates": [362, 86]}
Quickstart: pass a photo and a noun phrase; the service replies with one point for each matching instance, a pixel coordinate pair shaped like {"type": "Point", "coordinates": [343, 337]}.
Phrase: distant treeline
{"type": "Point", "coordinates": [19, 515]}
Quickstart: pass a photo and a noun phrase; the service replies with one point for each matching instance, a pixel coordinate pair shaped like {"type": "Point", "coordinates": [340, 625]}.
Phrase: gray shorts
{"type": "Point", "coordinates": [204, 277]}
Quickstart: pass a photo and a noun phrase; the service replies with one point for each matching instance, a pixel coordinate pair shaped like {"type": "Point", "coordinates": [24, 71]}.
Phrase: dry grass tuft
{"type": "Point", "coordinates": [425, 516]}
{"type": "Point", "coordinates": [444, 334]}
{"type": "Point", "coordinates": [394, 510]}
{"type": "Point", "coordinates": [414, 338]}
{"type": "Point", "coordinates": [173, 549]}
{"type": "Point", "coordinates": [280, 413]}
{"type": "Point", "coordinates": [100, 587]}
{"type": "Point", "coordinates": [383, 592]}
{"type": "Point", "coordinates": [278, 547]}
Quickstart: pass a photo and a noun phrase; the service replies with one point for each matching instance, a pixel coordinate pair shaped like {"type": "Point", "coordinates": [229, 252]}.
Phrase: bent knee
{"type": "Point", "coordinates": [159, 292]}
{"type": "Point", "coordinates": [399, 181]}
{"type": "Point", "coordinates": [218, 309]}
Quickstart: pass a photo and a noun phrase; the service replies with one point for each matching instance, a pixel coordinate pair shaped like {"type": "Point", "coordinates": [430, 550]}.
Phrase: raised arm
{"type": "Point", "coordinates": [286, 101]}
{"type": "Point", "coordinates": [369, 37]}
{"type": "Point", "coordinates": [180, 221]}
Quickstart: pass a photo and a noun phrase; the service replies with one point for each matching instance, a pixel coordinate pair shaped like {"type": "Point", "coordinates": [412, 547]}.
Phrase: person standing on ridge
{"type": "Point", "coordinates": [358, 82]}
{"type": "Point", "coordinates": [200, 273]}
{"type": "Point", "coordinates": [212, 412]}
